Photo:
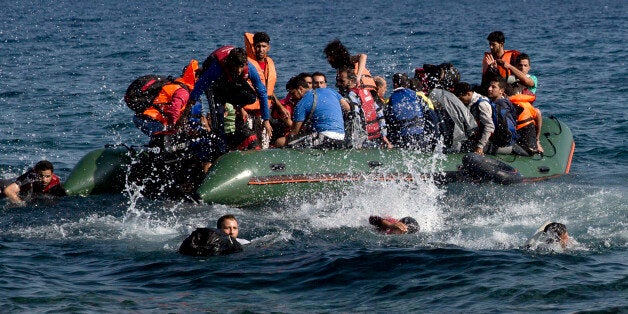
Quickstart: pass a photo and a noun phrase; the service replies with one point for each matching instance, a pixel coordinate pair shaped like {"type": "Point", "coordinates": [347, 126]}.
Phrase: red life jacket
{"type": "Point", "coordinates": [370, 113]}
{"type": "Point", "coordinates": [54, 181]}
{"type": "Point", "coordinates": [221, 55]}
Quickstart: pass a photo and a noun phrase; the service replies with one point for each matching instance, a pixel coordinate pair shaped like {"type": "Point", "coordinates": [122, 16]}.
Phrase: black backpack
{"type": "Point", "coordinates": [142, 92]}
{"type": "Point", "coordinates": [208, 242]}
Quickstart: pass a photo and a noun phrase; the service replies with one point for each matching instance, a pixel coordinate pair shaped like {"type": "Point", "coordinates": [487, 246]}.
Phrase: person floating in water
{"type": "Point", "coordinates": [220, 241]}
{"type": "Point", "coordinates": [551, 233]}
{"type": "Point", "coordinates": [390, 225]}
{"type": "Point", "coordinates": [37, 181]}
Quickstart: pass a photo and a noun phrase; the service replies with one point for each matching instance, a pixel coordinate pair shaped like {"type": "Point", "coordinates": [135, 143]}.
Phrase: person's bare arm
{"type": "Point", "coordinates": [12, 192]}
{"type": "Point", "coordinates": [361, 60]}
{"type": "Point", "coordinates": [344, 104]}
{"type": "Point", "coordinates": [296, 127]}
{"type": "Point", "coordinates": [517, 73]}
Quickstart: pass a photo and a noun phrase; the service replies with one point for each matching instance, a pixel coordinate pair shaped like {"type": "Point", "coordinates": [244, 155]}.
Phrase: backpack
{"type": "Point", "coordinates": [208, 242]}
{"type": "Point", "coordinates": [505, 133]}
{"type": "Point", "coordinates": [142, 91]}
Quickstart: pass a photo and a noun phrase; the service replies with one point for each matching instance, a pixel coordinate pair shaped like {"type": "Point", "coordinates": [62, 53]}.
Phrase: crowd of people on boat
{"type": "Point", "coordinates": [431, 111]}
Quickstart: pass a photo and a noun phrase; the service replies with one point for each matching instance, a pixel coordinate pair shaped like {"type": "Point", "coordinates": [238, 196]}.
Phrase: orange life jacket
{"type": "Point", "coordinates": [268, 75]}
{"type": "Point", "coordinates": [189, 75]}
{"type": "Point", "coordinates": [369, 108]}
{"type": "Point", "coordinates": [161, 101]}
{"type": "Point", "coordinates": [509, 57]}
{"type": "Point", "coordinates": [527, 112]}
{"type": "Point", "coordinates": [367, 81]}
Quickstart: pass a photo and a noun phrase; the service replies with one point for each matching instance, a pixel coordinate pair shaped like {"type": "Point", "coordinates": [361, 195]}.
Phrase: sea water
{"type": "Point", "coordinates": [64, 67]}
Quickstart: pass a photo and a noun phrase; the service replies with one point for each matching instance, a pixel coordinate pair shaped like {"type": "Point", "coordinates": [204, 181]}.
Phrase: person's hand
{"type": "Point", "coordinates": [502, 63]}
{"type": "Point", "coordinates": [244, 114]}
{"type": "Point", "coordinates": [479, 151]}
{"type": "Point", "coordinates": [387, 143]}
{"type": "Point", "coordinates": [268, 128]}
{"type": "Point", "coordinates": [491, 61]}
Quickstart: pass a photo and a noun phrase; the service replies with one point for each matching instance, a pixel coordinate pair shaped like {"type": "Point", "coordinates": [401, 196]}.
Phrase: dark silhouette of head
{"type": "Point", "coordinates": [411, 224]}
{"type": "Point", "coordinates": [43, 166]}
{"type": "Point", "coordinates": [337, 55]}
{"type": "Point", "coordinates": [496, 36]}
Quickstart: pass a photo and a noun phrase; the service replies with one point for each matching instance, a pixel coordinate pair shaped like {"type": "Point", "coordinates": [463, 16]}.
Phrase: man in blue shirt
{"type": "Point", "coordinates": [317, 119]}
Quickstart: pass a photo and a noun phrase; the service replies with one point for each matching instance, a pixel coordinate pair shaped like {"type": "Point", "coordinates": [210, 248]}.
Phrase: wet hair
{"type": "Point", "coordinates": [416, 84]}
{"type": "Point", "coordinates": [339, 53]}
{"type": "Point", "coordinates": [497, 36]}
{"type": "Point", "coordinates": [320, 74]}
{"type": "Point", "coordinates": [462, 88]}
{"type": "Point", "coordinates": [444, 75]}
{"type": "Point", "coordinates": [292, 83]}
{"type": "Point", "coordinates": [222, 219]}
{"type": "Point", "coordinates": [299, 80]}
{"type": "Point", "coordinates": [411, 224]}
{"type": "Point", "coordinates": [43, 166]}
{"type": "Point", "coordinates": [400, 80]}
{"type": "Point", "coordinates": [448, 75]}
{"type": "Point", "coordinates": [304, 74]}
{"type": "Point", "coordinates": [522, 56]}
{"type": "Point", "coordinates": [236, 58]}
{"type": "Point", "coordinates": [554, 230]}
{"type": "Point", "coordinates": [261, 37]}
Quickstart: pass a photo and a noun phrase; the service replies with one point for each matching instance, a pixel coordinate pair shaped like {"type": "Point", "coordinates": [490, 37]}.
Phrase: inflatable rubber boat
{"type": "Point", "coordinates": [249, 177]}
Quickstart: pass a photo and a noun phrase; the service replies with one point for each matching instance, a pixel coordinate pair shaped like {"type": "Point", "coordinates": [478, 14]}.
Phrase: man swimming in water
{"type": "Point", "coordinates": [390, 225]}
{"type": "Point", "coordinates": [549, 233]}
{"type": "Point", "coordinates": [39, 180]}
{"type": "Point", "coordinates": [208, 241]}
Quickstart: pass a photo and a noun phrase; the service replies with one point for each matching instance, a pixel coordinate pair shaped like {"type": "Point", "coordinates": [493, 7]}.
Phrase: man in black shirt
{"type": "Point", "coordinates": [36, 181]}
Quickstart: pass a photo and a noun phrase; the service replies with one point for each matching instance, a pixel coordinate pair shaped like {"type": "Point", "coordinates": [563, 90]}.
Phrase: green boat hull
{"type": "Point", "coordinates": [249, 177]}
{"type": "Point", "coordinates": [100, 171]}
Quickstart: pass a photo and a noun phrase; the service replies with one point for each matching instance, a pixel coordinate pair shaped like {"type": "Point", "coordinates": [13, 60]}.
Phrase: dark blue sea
{"type": "Point", "coordinates": [65, 65]}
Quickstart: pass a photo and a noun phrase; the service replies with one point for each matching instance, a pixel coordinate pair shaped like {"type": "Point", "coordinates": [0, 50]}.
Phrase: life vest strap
{"type": "Point", "coordinates": [525, 121]}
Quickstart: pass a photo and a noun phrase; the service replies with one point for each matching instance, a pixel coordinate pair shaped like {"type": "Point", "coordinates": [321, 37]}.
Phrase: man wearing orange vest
{"type": "Point", "coordinates": [494, 62]}
{"type": "Point", "coordinates": [257, 47]}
